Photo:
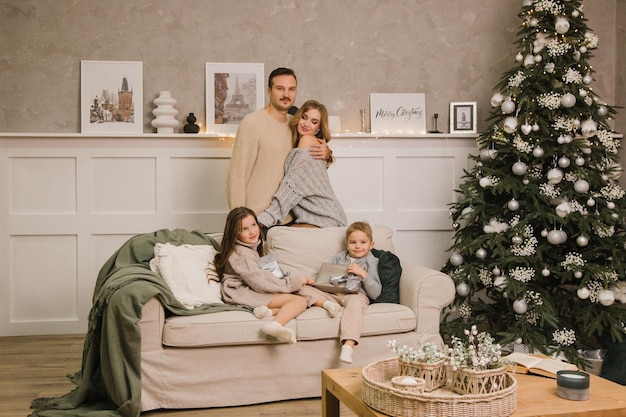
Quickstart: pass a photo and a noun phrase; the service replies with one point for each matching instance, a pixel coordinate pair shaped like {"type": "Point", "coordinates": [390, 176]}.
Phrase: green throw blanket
{"type": "Point", "coordinates": [109, 382]}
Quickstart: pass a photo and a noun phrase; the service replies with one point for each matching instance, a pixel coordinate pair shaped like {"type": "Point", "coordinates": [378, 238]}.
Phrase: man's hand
{"type": "Point", "coordinates": [320, 150]}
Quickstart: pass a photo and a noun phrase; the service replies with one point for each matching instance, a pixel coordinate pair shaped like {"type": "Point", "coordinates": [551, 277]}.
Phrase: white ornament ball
{"type": "Point", "coordinates": [602, 110]}
{"type": "Point", "coordinates": [579, 161]}
{"type": "Point", "coordinates": [614, 216]}
{"type": "Point", "coordinates": [544, 233]}
{"type": "Point", "coordinates": [563, 236]}
{"type": "Point", "coordinates": [555, 176]}
{"type": "Point", "coordinates": [610, 205]}
{"type": "Point", "coordinates": [519, 58]}
{"type": "Point", "coordinates": [564, 162]}
{"type": "Point", "coordinates": [554, 237]}
{"type": "Point", "coordinates": [575, 13]}
{"type": "Point", "coordinates": [508, 106]}
{"type": "Point", "coordinates": [545, 272]}
{"type": "Point", "coordinates": [606, 297]}
{"type": "Point", "coordinates": [519, 168]}
{"type": "Point", "coordinates": [497, 98]}
{"type": "Point", "coordinates": [456, 259]}
{"type": "Point", "coordinates": [518, 341]}
{"type": "Point", "coordinates": [591, 202]}
{"type": "Point", "coordinates": [484, 154]}
{"type": "Point", "coordinates": [582, 49]}
{"type": "Point", "coordinates": [484, 182]}
{"type": "Point", "coordinates": [568, 100]}
{"type": "Point", "coordinates": [513, 205]}
{"type": "Point", "coordinates": [510, 124]}
{"type": "Point", "coordinates": [517, 240]}
{"type": "Point", "coordinates": [525, 181]}
{"type": "Point", "coordinates": [535, 127]}
{"type": "Point", "coordinates": [496, 271]}
{"type": "Point", "coordinates": [520, 306]}
{"type": "Point", "coordinates": [561, 25]}
{"type": "Point", "coordinates": [538, 58]}
{"type": "Point", "coordinates": [583, 293]}
{"type": "Point", "coordinates": [604, 177]}
{"type": "Point", "coordinates": [581, 186]}
{"type": "Point", "coordinates": [563, 209]}
{"type": "Point", "coordinates": [578, 274]}
{"type": "Point", "coordinates": [587, 79]}
{"type": "Point", "coordinates": [533, 22]}
{"type": "Point", "coordinates": [481, 253]}
{"type": "Point", "coordinates": [538, 152]}
{"type": "Point", "coordinates": [463, 289]}
{"type": "Point", "coordinates": [560, 140]}
{"type": "Point", "coordinates": [582, 93]}
{"type": "Point", "coordinates": [582, 241]}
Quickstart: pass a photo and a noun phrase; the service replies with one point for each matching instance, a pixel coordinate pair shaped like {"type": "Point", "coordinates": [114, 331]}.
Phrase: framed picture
{"type": "Point", "coordinates": [463, 117]}
{"type": "Point", "coordinates": [111, 97]}
{"type": "Point", "coordinates": [232, 91]}
{"type": "Point", "coordinates": [398, 113]}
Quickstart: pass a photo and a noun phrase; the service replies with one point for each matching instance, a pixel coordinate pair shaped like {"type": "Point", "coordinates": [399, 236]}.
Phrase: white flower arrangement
{"type": "Point", "coordinates": [423, 353]}
{"type": "Point", "coordinates": [478, 353]}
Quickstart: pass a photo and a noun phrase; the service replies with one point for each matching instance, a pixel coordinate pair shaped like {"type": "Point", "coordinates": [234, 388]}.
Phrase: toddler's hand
{"type": "Point", "coordinates": [307, 281]}
{"type": "Point", "coordinates": [357, 270]}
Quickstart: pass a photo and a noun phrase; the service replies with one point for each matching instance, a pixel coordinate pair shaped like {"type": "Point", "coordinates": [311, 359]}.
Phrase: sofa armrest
{"type": "Point", "coordinates": [426, 291]}
{"type": "Point", "coordinates": [151, 325]}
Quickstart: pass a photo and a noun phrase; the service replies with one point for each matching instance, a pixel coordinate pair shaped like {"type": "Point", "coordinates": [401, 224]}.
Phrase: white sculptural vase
{"type": "Point", "coordinates": [165, 113]}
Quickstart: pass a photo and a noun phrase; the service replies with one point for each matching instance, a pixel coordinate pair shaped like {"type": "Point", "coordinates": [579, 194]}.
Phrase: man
{"type": "Point", "coordinates": [262, 144]}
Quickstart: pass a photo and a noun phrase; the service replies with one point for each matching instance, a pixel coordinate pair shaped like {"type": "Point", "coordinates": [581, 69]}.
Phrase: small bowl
{"type": "Point", "coordinates": [408, 383]}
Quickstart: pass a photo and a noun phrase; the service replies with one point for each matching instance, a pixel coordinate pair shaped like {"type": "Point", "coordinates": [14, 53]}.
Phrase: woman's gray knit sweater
{"type": "Point", "coordinates": [306, 191]}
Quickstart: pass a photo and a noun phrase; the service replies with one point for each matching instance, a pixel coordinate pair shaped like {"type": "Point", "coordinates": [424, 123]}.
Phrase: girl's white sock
{"type": "Point", "coordinates": [280, 332]}
{"type": "Point", "coordinates": [262, 312]}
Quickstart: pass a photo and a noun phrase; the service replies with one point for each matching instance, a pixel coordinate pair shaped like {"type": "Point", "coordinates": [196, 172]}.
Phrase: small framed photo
{"type": "Point", "coordinates": [463, 117]}
{"type": "Point", "coordinates": [111, 97]}
{"type": "Point", "coordinates": [232, 91]}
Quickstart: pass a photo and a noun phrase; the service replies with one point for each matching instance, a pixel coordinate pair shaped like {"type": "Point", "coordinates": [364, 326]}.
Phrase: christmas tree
{"type": "Point", "coordinates": [538, 255]}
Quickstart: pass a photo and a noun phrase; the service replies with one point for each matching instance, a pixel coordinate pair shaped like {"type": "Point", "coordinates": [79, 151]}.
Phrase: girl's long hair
{"type": "Point", "coordinates": [231, 231]}
{"type": "Point", "coordinates": [323, 126]}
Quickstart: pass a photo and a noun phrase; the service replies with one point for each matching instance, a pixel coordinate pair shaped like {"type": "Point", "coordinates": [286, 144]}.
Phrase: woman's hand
{"type": "Point", "coordinates": [357, 270]}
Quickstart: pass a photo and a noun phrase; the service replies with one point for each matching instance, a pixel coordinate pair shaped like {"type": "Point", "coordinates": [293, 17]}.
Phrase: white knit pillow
{"type": "Point", "coordinates": [189, 271]}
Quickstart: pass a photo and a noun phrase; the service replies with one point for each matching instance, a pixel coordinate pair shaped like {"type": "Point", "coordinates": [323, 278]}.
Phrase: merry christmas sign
{"type": "Point", "coordinates": [398, 113]}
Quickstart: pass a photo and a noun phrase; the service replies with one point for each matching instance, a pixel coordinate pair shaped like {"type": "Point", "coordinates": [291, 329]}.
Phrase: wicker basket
{"type": "Point", "coordinates": [379, 394]}
{"type": "Point", "coordinates": [433, 373]}
{"type": "Point", "coordinates": [468, 381]}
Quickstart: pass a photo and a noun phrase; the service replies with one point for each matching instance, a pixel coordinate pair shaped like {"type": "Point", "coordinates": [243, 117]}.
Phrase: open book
{"type": "Point", "coordinates": [540, 365]}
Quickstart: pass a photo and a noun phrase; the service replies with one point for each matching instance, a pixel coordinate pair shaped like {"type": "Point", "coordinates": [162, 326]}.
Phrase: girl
{"type": "Point", "coordinates": [305, 188]}
{"type": "Point", "coordinates": [245, 282]}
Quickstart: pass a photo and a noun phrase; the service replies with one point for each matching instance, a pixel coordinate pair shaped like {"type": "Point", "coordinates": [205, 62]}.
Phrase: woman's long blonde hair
{"type": "Point", "coordinates": [323, 126]}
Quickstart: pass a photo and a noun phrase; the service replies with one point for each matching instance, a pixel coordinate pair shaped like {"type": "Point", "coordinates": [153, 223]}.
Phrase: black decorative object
{"type": "Point", "coordinates": [191, 126]}
{"type": "Point", "coordinates": [436, 116]}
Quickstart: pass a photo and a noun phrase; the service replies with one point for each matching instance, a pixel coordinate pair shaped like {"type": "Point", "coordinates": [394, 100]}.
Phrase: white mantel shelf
{"type": "Point", "coordinates": [69, 200]}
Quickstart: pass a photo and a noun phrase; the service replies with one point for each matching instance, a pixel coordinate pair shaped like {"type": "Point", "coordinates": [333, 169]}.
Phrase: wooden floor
{"type": "Point", "coordinates": [37, 366]}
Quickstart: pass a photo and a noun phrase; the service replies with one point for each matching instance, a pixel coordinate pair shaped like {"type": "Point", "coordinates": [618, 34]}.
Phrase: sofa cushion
{"type": "Point", "coordinates": [302, 250]}
{"type": "Point", "coordinates": [240, 327]}
{"type": "Point", "coordinates": [216, 329]}
{"type": "Point", "coordinates": [379, 319]}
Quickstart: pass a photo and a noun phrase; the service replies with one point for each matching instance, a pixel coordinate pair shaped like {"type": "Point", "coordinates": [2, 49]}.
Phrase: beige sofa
{"type": "Point", "coordinates": [222, 359]}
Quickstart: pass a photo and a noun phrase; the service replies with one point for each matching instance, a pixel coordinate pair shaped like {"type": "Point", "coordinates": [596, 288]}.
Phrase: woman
{"type": "Point", "coordinates": [305, 189]}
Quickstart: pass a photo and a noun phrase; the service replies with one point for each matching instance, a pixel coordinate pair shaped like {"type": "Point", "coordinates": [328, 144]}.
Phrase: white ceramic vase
{"type": "Point", "coordinates": [165, 113]}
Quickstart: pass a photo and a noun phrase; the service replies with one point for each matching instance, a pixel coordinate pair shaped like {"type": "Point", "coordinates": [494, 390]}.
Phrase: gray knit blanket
{"type": "Point", "coordinates": [305, 190]}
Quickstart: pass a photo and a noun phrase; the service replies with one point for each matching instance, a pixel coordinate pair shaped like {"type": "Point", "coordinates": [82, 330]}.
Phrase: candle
{"type": "Point", "coordinates": [572, 385]}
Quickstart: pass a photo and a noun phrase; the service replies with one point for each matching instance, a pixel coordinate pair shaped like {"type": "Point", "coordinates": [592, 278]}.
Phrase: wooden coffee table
{"type": "Point", "coordinates": [536, 396]}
